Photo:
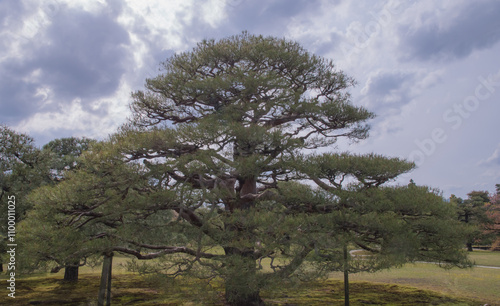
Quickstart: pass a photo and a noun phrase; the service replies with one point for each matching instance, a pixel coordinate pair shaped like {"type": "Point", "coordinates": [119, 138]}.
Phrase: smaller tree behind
{"type": "Point", "coordinates": [493, 213]}
{"type": "Point", "coordinates": [23, 167]}
{"type": "Point", "coordinates": [92, 210]}
{"type": "Point", "coordinates": [57, 158]}
{"type": "Point", "coordinates": [65, 153]}
{"type": "Point", "coordinates": [472, 211]}
{"type": "Point", "coordinates": [64, 157]}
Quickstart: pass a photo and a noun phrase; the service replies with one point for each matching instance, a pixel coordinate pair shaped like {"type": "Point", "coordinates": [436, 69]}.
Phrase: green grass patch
{"type": "Point", "coordinates": [331, 292]}
{"type": "Point", "coordinates": [476, 283]}
{"type": "Point", "coordinates": [485, 258]}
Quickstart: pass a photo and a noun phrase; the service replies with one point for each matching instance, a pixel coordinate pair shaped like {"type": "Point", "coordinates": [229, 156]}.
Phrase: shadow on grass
{"type": "Point", "coordinates": [330, 292]}
{"type": "Point", "coordinates": [127, 289]}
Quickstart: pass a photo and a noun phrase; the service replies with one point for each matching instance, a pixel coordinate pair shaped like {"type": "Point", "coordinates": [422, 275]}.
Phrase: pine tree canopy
{"type": "Point", "coordinates": [227, 169]}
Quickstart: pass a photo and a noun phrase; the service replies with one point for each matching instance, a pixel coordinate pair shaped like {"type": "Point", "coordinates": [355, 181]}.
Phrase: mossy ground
{"type": "Point", "coordinates": [129, 289]}
{"type": "Point", "coordinates": [405, 286]}
{"type": "Point", "coordinates": [54, 291]}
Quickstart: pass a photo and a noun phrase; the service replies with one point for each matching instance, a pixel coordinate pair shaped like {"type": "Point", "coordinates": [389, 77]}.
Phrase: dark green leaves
{"type": "Point", "coordinates": [339, 170]}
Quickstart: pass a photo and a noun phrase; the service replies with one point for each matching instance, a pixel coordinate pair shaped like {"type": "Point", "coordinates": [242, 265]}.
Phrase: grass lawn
{"type": "Point", "coordinates": [486, 258]}
{"type": "Point", "coordinates": [409, 285]}
{"type": "Point", "coordinates": [475, 283]}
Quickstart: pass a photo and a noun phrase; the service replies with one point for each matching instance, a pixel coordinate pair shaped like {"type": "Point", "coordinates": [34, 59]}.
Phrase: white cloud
{"type": "Point", "coordinates": [81, 120]}
{"type": "Point", "coordinates": [493, 159]}
{"type": "Point", "coordinates": [449, 30]}
{"type": "Point", "coordinates": [213, 12]}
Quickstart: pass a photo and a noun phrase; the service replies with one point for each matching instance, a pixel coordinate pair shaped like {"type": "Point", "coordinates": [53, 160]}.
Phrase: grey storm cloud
{"type": "Point", "coordinates": [16, 96]}
{"type": "Point", "coordinates": [388, 90]}
{"type": "Point", "coordinates": [264, 17]}
{"type": "Point", "coordinates": [8, 9]}
{"type": "Point", "coordinates": [476, 27]}
{"type": "Point", "coordinates": [86, 56]}
{"type": "Point", "coordinates": [80, 55]}
{"type": "Point", "coordinates": [381, 84]}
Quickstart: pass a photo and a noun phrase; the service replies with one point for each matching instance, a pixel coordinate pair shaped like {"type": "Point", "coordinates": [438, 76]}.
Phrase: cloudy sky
{"type": "Point", "coordinates": [430, 70]}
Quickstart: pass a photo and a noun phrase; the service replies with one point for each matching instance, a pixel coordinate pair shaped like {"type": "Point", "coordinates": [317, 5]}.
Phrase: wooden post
{"type": "Point", "coordinates": [346, 276]}
{"type": "Point", "coordinates": [105, 287]}
{"type": "Point", "coordinates": [108, 300]}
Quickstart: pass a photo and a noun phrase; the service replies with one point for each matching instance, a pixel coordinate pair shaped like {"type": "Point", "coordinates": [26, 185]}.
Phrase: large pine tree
{"type": "Point", "coordinates": [226, 138]}
{"type": "Point", "coordinates": [234, 120]}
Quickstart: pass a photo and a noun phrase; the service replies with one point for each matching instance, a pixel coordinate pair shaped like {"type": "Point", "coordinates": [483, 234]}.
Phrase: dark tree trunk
{"type": "Point", "coordinates": [242, 288]}
{"type": "Point", "coordinates": [242, 282]}
{"type": "Point", "coordinates": [468, 244]}
{"type": "Point", "coordinates": [71, 273]}
{"type": "Point", "coordinates": [235, 298]}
